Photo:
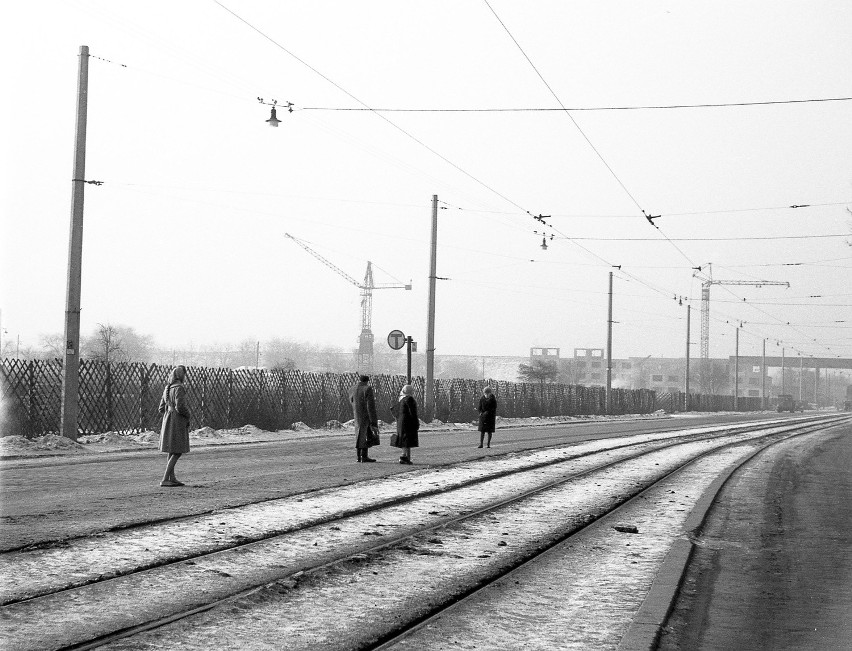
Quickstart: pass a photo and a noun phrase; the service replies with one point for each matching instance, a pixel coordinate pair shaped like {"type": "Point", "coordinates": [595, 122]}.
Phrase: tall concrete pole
{"type": "Point", "coordinates": [71, 365]}
{"type": "Point", "coordinates": [816, 384]}
{"type": "Point", "coordinates": [609, 351]}
{"type": "Point", "coordinates": [429, 397]}
{"type": "Point", "coordinates": [800, 378]}
{"type": "Point", "coordinates": [783, 385]}
{"type": "Point", "coordinates": [737, 371]}
{"type": "Point", "coordinates": [763, 377]}
{"type": "Point", "coordinates": [686, 382]}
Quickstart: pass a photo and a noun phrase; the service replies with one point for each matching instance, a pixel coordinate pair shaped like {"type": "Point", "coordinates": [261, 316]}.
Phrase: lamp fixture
{"type": "Point", "coordinates": [273, 120]}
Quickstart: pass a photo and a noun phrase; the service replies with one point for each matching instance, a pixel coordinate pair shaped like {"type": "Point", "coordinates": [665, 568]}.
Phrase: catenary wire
{"type": "Point", "coordinates": [390, 122]}
{"type": "Point", "coordinates": [578, 108]}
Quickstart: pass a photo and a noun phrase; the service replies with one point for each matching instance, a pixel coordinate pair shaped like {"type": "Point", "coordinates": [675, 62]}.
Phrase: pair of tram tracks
{"type": "Point", "coordinates": [413, 534]}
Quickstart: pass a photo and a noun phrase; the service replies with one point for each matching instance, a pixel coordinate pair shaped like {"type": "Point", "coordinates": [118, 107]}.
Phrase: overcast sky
{"type": "Point", "coordinates": [185, 238]}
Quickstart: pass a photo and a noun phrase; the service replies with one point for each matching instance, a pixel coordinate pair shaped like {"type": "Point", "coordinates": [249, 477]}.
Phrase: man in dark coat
{"type": "Point", "coordinates": [487, 415]}
{"type": "Point", "coordinates": [364, 410]}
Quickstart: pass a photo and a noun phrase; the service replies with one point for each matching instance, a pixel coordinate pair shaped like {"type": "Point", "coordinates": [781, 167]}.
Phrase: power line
{"type": "Point", "coordinates": [782, 304]}
{"type": "Point", "coordinates": [564, 109]}
{"type": "Point", "coordinates": [668, 294]}
{"type": "Point", "coordinates": [708, 239]}
{"type": "Point", "coordinates": [366, 107]}
{"type": "Point", "coordinates": [576, 108]}
{"type": "Point", "coordinates": [732, 210]}
{"type": "Point", "coordinates": [647, 216]}
{"type": "Point", "coordinates": [676, 214]}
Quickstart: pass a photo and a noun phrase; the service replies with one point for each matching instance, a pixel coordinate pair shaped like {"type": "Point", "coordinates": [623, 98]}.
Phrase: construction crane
{"type": "Point", "coordinates": [706, 282]}
{"type": "Point", "coordinates": [365, 339]}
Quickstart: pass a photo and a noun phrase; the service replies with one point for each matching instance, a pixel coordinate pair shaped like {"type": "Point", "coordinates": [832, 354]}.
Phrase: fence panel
{"type": "Point", "coordinates": [125, 397]}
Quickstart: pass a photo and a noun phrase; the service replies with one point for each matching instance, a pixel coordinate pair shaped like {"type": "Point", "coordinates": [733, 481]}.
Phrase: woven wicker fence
{"type": "Point", "coordinates": [125, 397]}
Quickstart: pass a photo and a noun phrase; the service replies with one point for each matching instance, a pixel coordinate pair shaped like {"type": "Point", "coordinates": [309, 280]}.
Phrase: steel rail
{"type": "Point", "coordinates": [47, 544]}
{"type": "Point", "coordinates": [389, 641]}
{"type": "Point", "coordinates": [801, 426]}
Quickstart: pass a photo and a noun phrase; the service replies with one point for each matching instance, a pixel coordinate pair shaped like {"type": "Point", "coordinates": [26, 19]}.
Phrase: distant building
{"type": "Point", "coordinates": [751, 381]}
{"type": "Point", "coordinates": [589, 366]}
{"type": "Point", "coordinates": [536, 353]}
{"type": "Point", "coordinates": [661, 374]}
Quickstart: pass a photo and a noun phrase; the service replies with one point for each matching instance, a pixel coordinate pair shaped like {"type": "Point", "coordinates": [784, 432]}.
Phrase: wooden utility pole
{"type": "Point", "coordinates": [428, 396]}
{"type": "Point", "coordinates": [71, 364]}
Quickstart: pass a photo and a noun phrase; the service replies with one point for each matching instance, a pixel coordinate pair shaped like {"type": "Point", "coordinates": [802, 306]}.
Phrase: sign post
{"type": "Point", "coordinates": [396, 340]}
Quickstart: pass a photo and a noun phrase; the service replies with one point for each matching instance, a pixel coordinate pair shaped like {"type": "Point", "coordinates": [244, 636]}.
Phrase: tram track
{"type": "Point", "coordinates": [237, 571]}
{"type": "Point", "coordinates": [163, 541]}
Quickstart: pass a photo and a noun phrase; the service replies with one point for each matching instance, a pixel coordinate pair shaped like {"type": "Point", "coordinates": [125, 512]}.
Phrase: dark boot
{"type": "Point", "coordinates": [358, 450]}
{"type": "Point", "coordinates": [364, 457]}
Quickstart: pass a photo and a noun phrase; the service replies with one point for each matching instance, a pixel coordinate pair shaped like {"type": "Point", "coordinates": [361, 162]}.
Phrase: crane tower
{"type": "Point", "coordinates": [365, 339]}
{"type": "Point", "coordinates": [706, 282]}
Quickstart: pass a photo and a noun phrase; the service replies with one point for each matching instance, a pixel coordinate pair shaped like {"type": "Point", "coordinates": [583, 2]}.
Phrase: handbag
{"type": "Point", "coordinates": [373, 437]}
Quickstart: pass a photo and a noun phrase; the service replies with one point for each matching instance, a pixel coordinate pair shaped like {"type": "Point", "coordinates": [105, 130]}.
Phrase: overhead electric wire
{"type": "Point", "coordinates": [732, 210]}
{"type": "Point", "coordinates": [564, 109]}
{"type": "Point", "coordinates": [674, 214]}
{"type": "Point", "coordinates": [366, 106]}
{"type": "Point", "coordinates": [709, 239]}
{"type": "Point", "coordinates": [576, 108]}
{"type": "Point", "coordinates": [446, 160]}
{"type": "Point", "coordinates": [647, 216]}
{"type": "Point", "coordinates": [780, 321]}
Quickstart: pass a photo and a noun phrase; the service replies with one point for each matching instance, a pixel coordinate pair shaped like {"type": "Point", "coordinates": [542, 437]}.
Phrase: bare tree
{"type": "Point", "coordinates": [104, 344]}
{"type": "Point", "coordinates": [118, 343]}
{"type": "Point", "coordinates": [53, 346]}
{"type": "Point", "coordinates": [538, 370]}
{"type": "Point", "coordinates": [568, 372]}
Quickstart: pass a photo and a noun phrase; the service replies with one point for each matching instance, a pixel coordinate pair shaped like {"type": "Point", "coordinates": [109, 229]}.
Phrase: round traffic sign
{"type": "Point", "coordinates": [396, 339]}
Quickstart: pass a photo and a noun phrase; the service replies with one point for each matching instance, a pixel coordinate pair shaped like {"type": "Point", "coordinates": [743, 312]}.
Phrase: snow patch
{"type": "Point", "coordinates": [204, 433]}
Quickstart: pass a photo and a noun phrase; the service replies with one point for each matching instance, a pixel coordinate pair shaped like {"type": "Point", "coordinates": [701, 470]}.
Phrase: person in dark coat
{"type": "Point", "coordinates": [407, 424]}
{"type": "Point", "coordinates": [174, 435]}
{"type": "Point", "coordinates": [364, 410]}
{"type": "Point", "coordinates": [487, 415]}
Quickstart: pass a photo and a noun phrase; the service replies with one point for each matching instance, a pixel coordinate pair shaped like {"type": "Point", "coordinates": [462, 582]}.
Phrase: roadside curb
{"type": "Point", "coordinates": [644, 631]}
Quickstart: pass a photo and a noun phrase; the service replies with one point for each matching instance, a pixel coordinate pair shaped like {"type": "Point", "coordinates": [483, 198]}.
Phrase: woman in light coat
{"type": "Point", "coordinates": [174, 435]}
{"type": "Point", "coordinates": [407, 424]}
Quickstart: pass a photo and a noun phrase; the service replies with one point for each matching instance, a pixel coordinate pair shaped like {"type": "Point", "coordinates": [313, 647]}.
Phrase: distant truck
{"type": "Point", "coordinates": [787, 403]}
